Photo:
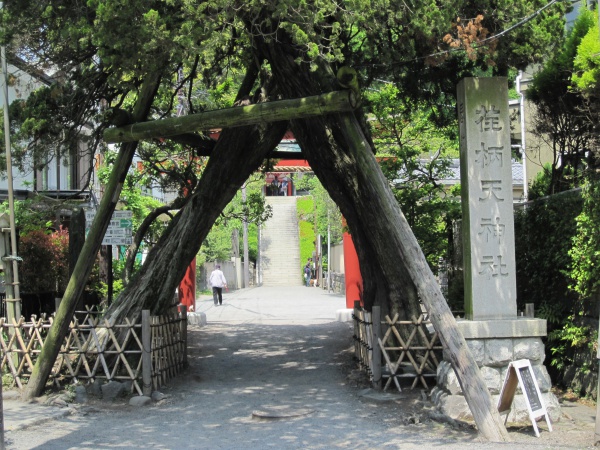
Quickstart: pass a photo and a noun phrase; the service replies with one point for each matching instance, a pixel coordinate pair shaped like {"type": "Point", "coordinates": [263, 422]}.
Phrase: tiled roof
{"type": "Point", "coordinates": [517, 172]}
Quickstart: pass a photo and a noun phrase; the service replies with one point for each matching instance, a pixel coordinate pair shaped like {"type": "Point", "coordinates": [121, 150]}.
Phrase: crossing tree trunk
{"type": "Point", "coordinates": [87, 256]}
{"type": "Point", "coordinates": [238, 153]}
{"type": "Point", "coordinates": [393, 266]}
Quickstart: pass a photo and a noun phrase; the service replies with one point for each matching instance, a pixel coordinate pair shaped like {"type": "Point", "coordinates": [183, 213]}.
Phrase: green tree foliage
{"type": "Point", "coordinates": [560, 121]}
{"type": "Point", "coordinates": [31, 215]}
{"type": "Point", "coordinates": [586, 75]}
{"type": "Point", "coordinates": [319, 209]}
{"type": "Point", "coordinates": [542, 241]}
{"type": "Point", "coordinates": [326, 213]}
{"type": "Point", "coordinates": [585, 250]}
{"type": "Point", "coordinates": [545, 232]}
{"type": "Point", "coordinates": [104, 48]}
{"type": "Point", "coordinates": [218, 244]}
{"type": "Point", "coordinates": [574, 343]}
{"type": "Point", "coordinates": [415, 157]}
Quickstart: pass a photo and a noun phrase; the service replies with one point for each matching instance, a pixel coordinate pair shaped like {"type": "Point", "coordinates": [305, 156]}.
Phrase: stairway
{"type": "Point", "coordinates": [280, 244]}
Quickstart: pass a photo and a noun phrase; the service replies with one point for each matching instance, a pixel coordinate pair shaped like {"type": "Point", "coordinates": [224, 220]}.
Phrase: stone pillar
{"type": "Point", "coordinates": [494, 333]}
{"type": "Point", "coordinates": [486, 198]}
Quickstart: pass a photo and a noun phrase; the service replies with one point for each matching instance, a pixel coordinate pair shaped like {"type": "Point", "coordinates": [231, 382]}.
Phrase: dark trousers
{"type": "Point", "coordinates": [218, 295]}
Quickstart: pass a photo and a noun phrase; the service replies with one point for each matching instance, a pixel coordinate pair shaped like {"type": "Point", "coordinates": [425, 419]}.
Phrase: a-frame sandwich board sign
{"type": "Point", "coordinates": [521, 373]}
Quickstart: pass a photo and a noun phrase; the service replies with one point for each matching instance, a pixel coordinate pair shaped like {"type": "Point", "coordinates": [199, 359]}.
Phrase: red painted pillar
{"type": "Point", "coordinates": [354, 282]}
{"type": "Point", "coordinates": [187, 287]}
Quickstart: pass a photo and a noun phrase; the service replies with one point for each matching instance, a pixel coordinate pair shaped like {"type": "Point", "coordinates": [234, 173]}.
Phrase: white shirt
{"type": "Point", "coordinates": [217, 279]}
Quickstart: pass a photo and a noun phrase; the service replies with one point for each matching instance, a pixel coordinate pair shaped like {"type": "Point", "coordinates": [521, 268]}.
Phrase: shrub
{"type": "Point", "coordinates": [45, 266]}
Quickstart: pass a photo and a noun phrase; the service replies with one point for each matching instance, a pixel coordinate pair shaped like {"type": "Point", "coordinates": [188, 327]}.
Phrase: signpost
{"type": "Point", "coordinates": [521, 373]}
{"type": "Point", "coordinates": [119, 230]}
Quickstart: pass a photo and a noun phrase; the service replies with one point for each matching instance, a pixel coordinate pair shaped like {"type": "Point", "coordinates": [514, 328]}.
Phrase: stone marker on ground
{"type": "Point", "coordinates": [494, 333]}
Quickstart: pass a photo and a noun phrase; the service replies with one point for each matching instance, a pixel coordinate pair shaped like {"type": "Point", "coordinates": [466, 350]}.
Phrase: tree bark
{"type": "Point", "coordinates": [132, 250]}
{"type": "Point", "coordinates": [87, 257]}
{"type": "Point", "coordinates": [394, 269]}
{"type": "Point", "coordinates": [238, 153]}
{"type": "Point", "coordinates": [237, 116]}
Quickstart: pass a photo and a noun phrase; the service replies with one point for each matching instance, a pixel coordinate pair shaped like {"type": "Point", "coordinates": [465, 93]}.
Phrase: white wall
{"type": "Point", "coordinates": [21, 84]}
{"type": "Point", "coordinates": [336, 259]}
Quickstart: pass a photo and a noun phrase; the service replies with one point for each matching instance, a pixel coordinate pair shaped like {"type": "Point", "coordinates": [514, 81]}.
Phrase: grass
{"type": "Point", "coordinates": [305, 207]}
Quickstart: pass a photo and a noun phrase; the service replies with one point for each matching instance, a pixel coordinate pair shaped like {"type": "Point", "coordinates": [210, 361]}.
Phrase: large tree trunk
{"type": "Point", "coordinates": [238, 153]}
{"type": "Point", "coordinates": [391, 261]}
{"type": "Point", "coordinates": [87, 257]}
{"type": "Point", "coordinates": [354, 181]}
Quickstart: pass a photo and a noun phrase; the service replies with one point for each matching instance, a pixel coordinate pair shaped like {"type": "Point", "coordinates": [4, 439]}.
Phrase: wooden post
{"type": "Point", "coordinates": [376, 319]}
{"type": "Point", "coordinates": [109, 275]}
{"type": "Point", "coordinates": [76, 237]}
{"type": "Point", "coordinates": [183, 312]}
{"type": "Point", "coordinates": [476, 393]}
{"type": "Point", "coordinates": [297, 108]}
{"type": "Point", "coordinates": [87, 258]}
{"type": "Point", "coordinates": [356, 324]}
{"type": "Point", "coordinates": [529, 310]}
{"type": "Point", "coordinates": [146, 354]}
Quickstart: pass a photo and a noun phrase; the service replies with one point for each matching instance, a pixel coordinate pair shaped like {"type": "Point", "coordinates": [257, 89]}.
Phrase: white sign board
{"type": "Point", "coordinates": [119, 230]}
{"type": "Point", "coordinates": [521, 373]}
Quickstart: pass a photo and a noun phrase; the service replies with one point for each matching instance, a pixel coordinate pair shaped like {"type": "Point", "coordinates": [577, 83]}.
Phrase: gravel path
{"type": "Point", "coordinates": [270, 370]}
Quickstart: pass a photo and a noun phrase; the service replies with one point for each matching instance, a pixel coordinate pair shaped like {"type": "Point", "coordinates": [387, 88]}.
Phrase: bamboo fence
{"type": "Point", "coordinates": [148, 353]}
{"type": "Point", "coordinates": [388, 355]}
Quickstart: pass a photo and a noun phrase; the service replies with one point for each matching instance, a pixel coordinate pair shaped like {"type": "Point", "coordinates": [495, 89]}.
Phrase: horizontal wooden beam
{"type": "Point", "coordinates": [299, 108]}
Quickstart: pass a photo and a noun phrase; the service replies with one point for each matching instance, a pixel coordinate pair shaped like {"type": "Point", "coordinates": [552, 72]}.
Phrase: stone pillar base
{"type": "Point", "coordinates": [344, 315]}
{"type": "Point", "coordinates": [494, 344]}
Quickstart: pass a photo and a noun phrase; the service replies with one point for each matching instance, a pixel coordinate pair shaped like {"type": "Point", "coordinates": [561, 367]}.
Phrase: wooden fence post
{"type": "Point", "coordinates": [183, 312]}
{"type": "Point", "coordinates": [355, 324]}
{"type": "Point", "coordinates": [529, 310]}
{"type": "Point", "coordinates": [146, 354]}
{"type": "Point", "coordinates": [376, 319]}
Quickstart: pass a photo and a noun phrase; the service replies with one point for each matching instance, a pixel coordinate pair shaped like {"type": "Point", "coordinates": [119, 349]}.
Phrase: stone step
{"type": "Point", "coordinates": [280, 249]}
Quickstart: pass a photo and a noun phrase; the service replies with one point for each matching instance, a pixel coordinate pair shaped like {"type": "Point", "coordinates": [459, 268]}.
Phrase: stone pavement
{"type": "Point", "coordinates": [271, 306]}
{"type": "Point", "coordinates": [19, 415]}
{"type": "Point", "coordinates": [239, 306]}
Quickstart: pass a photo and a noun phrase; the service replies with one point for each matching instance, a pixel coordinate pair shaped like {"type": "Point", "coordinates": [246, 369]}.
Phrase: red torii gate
{"type": "Point", "coordinates": [352, 276]}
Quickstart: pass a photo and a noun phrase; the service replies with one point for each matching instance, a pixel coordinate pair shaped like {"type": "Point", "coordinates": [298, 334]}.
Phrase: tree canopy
{"type": "Point", "coordinates": [100, 51]}
{"type": "Point", "coordinates": [564, 119]}
{"type": "Point", "coordinates": [119, 54]}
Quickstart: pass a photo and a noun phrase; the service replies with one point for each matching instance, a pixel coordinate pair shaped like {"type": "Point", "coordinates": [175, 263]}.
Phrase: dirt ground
{"type": "Point", "coordinates": [263, 375]}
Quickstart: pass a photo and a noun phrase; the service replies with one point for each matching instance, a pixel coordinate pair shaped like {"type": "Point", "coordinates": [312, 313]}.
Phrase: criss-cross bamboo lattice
{"type": "Point", "coordinates": [94, 349]}
{"type": "Point", "coordinates": [420, 352]}
{"type": "Point", "coordinates": [416, 350]}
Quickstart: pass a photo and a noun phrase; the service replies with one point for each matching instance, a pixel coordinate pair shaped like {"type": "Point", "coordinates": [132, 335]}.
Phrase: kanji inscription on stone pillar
{"type": "Point", "coordinates": [487, 199]}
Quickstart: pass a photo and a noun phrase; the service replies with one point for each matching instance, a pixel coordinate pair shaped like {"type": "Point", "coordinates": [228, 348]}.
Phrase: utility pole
{"type": "Point", "coordinates": [597, 429]}
{"type": "Point", "coordinates": [246, 276]}
{"type": "Point", "coordinates": [11, 271]}
{"type": "Point", "coordinates": [328, 252]}
{"type": "Point", "coordinates": [13, 295]}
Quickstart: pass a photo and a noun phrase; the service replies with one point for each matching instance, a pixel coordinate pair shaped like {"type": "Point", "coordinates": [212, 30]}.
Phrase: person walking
{"type": "Point", "coordinates": [307, 274]}
{"type": "Point", "coordinates": [284, 187]}
{"type": "Point", "coordinates": [218, 282]}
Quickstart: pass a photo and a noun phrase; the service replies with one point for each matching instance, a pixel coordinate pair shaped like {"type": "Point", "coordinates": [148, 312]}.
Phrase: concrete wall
{"type": "Point", "coordinates": [336, 259]}
{"type": "Point", "coordinates": [229, 270]}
